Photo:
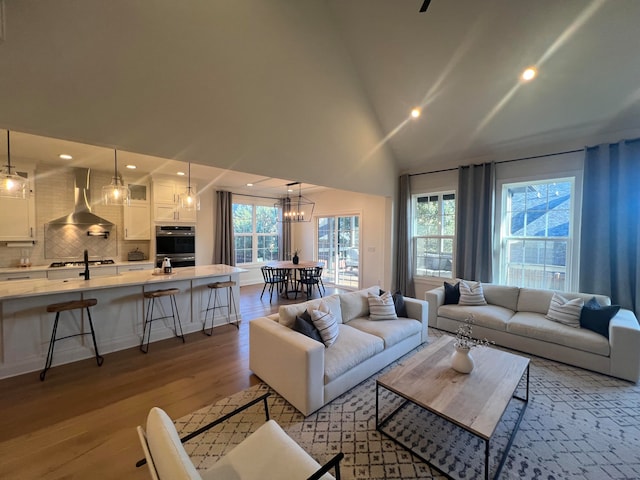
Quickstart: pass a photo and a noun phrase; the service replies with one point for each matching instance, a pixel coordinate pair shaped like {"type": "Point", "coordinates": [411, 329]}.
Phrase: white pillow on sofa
{"type": "Point", "coordinates": [326, 323]}
{"type": "Point", "coordinates": [471, 294]}
{"type": "Point", "coordinates": [565, 311]}
{"type": "Point", "coordinates": [287, 313]}
{"type": "Point", "coordinates": [381, 307]}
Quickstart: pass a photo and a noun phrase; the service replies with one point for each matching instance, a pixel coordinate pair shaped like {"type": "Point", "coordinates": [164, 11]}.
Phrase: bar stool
{"type": "Point", "coordinates": [146, 330]}
{"type": "Point", "coordinates": [215, 287]}
{"type": "Point", "coordinates": [62, 307]}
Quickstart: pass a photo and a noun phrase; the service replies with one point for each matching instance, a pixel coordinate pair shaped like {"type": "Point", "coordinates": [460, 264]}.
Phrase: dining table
{"type": "Point", "coordinates": [294, 267]}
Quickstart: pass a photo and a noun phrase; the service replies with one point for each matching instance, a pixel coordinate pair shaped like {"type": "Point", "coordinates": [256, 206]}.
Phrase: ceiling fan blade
{"type": "Point", "coordinates": [424, 6]}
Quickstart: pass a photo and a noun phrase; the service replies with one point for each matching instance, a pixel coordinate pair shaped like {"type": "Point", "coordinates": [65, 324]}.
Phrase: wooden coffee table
{"type": "Point", "coordinates": [475, 402]}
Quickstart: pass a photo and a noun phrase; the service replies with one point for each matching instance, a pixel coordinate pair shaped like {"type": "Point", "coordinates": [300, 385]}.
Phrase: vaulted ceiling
{"type": "Point", "coordinates": [461, 61]}
{"type": "Point", "coordinates": [320, 91]}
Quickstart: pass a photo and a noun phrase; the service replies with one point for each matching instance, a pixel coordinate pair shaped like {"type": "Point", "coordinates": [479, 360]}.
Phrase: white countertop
{"type": "Point", "coordinates": [31, 288]}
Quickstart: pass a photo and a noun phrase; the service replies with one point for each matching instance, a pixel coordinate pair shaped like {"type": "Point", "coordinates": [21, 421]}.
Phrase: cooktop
{"type": "Point", "coordinates": [80, 263]}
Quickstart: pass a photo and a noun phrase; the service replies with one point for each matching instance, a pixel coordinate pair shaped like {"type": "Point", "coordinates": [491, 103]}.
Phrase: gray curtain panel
{"type": "Point", "coordinates": [404, 250]}
{"type": "Point", "coordinates": [474, 224]}
{"type": "Point", "coordinates": [610, 235]}
{"type": "Point", "coordinates": [223, 248]}
{"type": "Point", "coordinates": [284, 250]}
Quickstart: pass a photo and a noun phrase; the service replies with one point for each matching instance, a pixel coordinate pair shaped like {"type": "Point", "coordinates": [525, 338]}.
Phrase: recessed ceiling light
{"type": "Point", "coordinates": [181, 174]}
{"type": "Point", "coordinates": [65, 156]}
{"type": "Point", "coordinates": [289, 189]}
{"type": "Point", "coordinates": [131, 167]}
{"type": "Point", "coordinates": [529, 74]}
{"type": "Point", "coordinates": [415, 113]}
{"type": "Point", "coordinates": [249, 184]}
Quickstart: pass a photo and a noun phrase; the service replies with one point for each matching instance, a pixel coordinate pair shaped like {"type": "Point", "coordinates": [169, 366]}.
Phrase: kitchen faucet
{"type": "Point", "coordinates": [85, 274]}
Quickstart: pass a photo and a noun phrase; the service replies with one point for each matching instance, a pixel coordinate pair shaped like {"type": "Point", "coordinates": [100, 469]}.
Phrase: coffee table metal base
{"type": "Point", "coordinates": [380, 424]}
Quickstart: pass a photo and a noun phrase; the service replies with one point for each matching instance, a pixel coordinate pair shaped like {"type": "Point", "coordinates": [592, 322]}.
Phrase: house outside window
{"type": "Point", "coordinates": [255, 233]}
{"type": "Point", "coordinates": [434, 224]}
{"type": "Point", "coordinates": [537, 234]}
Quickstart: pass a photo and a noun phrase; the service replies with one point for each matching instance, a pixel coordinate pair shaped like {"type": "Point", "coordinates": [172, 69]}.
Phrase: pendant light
{"type": "Point", "coordinates": [11, 185]}
{"type": "Point", "coordinates": [116, 193]}
{"type": "Point", "coordinates": [189, 200]}
{"type": "Point", "coordinates": [296, 209]}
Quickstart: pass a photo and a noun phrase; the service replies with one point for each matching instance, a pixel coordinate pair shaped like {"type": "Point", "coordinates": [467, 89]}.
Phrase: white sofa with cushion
{"type": "Point", "coordinates": [517, 318]}
{"type": "Point", "coordinates": [306, 372]}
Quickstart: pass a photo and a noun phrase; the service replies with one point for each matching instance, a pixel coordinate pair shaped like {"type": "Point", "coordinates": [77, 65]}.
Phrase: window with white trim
{"type": "Point", "coordinates": [537, 234]}
{"type": "Point", "coordinates": [434, 225]}
{"type": "Point", "coordinates": [255, 233]}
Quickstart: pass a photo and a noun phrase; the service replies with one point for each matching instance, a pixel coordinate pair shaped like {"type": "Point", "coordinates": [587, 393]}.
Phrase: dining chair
{"type": "Point", "coordinates": [274, 277]}
{"type": "Point", "coordinates": [309, 277]}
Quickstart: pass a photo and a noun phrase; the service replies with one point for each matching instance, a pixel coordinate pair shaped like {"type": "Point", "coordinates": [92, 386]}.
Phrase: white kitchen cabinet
{"type": "Point", "coordinates": [137, 215]}
{"type": "Point", "coordinates": [24, 275]}
{"type": "Point", "coordinates": [166, 202]}
{"type": "Point", "coordinates": [135, 268]}
{"type": "Point", "coordinates": [18, 216]}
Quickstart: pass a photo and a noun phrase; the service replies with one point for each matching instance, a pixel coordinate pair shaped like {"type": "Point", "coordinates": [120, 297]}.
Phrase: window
{"type": "Point", "coordinates": [537, 234]}
{"type": "Point", "coordinates": [434, 234]}
{"type": "Point", "coordinates": [255, 233]}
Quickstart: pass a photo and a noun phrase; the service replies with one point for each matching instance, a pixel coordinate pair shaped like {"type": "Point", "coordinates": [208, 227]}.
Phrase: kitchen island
{"type": "Point", "coordinates": [118, 317]}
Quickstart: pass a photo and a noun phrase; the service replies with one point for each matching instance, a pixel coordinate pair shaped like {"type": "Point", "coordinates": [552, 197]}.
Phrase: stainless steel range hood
{"type": "Point", "coordinates": [81, 214]}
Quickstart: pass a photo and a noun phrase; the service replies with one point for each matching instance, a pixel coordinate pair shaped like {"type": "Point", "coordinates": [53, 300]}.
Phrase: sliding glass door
{"type": "Point", "coordinates": [338, 248]}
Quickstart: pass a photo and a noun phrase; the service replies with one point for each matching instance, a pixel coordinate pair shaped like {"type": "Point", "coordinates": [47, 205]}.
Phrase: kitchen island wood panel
{"type": "Point", "coordinates": [118, 317]}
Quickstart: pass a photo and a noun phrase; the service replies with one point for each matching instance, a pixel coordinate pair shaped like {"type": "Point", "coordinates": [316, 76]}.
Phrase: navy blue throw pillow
{"type": "Point", "coordinates": [451, 293]}
{"type": "Point", "coordinates": [596, 317]}
{"type": "Point", "coordinates": [304, 325]}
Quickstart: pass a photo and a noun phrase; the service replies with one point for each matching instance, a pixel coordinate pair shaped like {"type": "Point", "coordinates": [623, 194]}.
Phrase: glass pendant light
{"type": "Point", "coordinates": [11, 185]}
{"type": "Point", "coordinates": [116, 193]}
{"type": "Point", "coordinates": [189, 200]}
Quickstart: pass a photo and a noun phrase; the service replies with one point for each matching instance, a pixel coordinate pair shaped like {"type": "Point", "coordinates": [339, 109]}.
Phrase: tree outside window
{"type": "Point", "coordinates": [255, 231]}
{"type": "Point", "coordinates": [434, 234]}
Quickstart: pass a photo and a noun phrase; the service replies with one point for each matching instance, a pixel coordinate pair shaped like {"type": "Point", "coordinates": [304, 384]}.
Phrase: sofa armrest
{"type": "Point", "coordinates": [435, 298]}
{"type": "Point", "coordinates": [624, 338]}
{"type": "Point", "coordinates": [289, 362]}
{"type": "Point", "coordinates": [418, 310]}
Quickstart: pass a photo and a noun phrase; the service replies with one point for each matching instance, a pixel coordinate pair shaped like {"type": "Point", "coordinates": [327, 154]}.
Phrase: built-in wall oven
{"type": "Point", "coordinates": [178, 242]}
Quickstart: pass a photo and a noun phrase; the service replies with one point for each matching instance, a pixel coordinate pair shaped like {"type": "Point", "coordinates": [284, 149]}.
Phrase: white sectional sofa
{"type": "Point", "coordinates": [515, 318]}
{"type": "Point", "coordinates": [308, 374]}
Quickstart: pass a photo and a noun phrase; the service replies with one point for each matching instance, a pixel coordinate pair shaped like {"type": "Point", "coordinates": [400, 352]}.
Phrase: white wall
{"type": "Point", "coordinates": [254, 86]}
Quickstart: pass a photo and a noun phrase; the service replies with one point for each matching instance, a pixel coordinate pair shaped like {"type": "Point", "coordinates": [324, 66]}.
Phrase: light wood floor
{"type": "Point", "coordinates": [80, 422]}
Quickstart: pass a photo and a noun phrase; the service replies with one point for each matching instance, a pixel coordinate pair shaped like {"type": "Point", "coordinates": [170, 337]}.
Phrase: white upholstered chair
{"type": "Point", "coordinates": [268, 453]}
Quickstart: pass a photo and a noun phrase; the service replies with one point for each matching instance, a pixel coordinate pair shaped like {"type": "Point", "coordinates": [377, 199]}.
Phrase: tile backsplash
{"type": "Point", "coordinates": [54, 197]}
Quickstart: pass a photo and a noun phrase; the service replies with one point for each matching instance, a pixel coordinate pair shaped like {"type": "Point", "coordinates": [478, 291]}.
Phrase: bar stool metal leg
{"type": "Point", "coordinates": [149, 318]}
{"type": "Point", "coordinates": [217, 304]}
{"type": "Point", "coordinates": [52, 342]}
{"type": "Point", "coordinates": [99, 358]}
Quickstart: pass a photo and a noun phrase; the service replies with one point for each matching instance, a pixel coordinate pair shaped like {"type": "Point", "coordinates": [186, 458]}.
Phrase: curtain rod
{"type": "Point", "coordinates": [504, 161]}
{"type": "Point", "coordinates": [254, 196]}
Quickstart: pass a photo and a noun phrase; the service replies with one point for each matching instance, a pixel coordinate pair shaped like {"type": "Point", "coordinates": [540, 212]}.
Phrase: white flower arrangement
{"type": "Point", "coordinates": [465, 339]}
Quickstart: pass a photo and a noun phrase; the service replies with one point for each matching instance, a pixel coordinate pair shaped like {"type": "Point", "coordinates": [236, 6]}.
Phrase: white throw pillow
{"type": "Point", "coordinates": [471, 294]}
{"type": "Point", "coordinates": [565, 311]}
{"type": "Point", "coordinates": [326, 323]}
{"type": "Point", "coordinates": [381, 307]}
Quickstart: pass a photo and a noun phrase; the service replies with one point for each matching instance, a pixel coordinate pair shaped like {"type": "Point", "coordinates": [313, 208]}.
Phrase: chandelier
{"type": "Point", "coordinates": [116, 193]}
{"type": "Point", "coordinates": [296, 209]}
{"type": "Point", "coordinates": [12, 185]}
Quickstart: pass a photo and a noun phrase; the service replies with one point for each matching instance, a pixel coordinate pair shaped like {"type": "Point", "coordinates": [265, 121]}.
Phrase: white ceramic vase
{"type": "Point", "coordinates": [461, 360]}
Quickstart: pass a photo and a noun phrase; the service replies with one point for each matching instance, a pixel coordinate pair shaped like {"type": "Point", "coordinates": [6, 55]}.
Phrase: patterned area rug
{"type": "Point", "coordinates": [577, 425]}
